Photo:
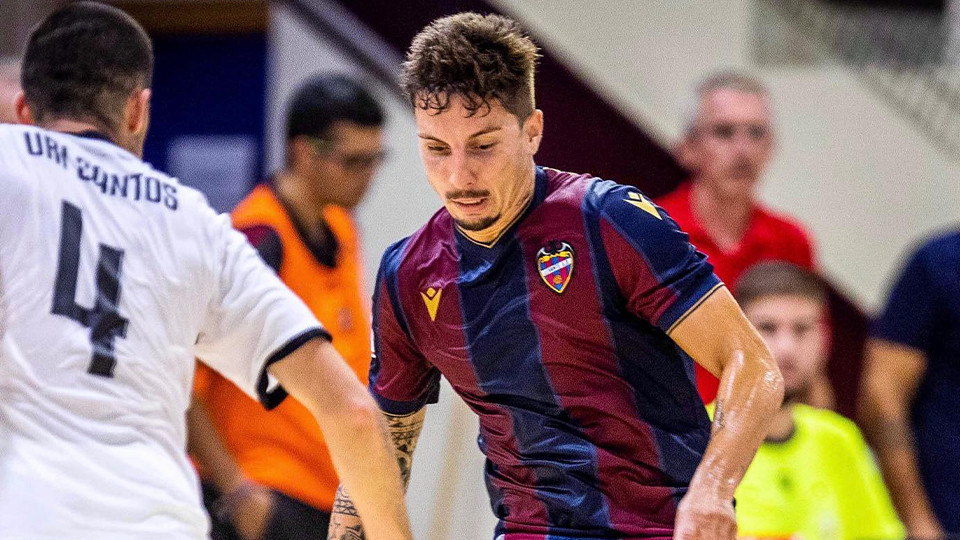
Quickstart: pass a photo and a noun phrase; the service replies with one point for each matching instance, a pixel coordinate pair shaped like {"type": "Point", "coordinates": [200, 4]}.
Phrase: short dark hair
{"type": "Point", "coordinates": [83, 62]}
{"type": "Point", "coordinates": [326, 99]}
{"type": "Point", "coordinates": [478, 57]}
{"type": "Point", "coordinates": [779, 278]}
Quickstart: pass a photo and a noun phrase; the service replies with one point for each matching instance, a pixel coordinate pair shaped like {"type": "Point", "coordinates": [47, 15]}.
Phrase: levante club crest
{"type": "Point", "coordinates": [555, 264]}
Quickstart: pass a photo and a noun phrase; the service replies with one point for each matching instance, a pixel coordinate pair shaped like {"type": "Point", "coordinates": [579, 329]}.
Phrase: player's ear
{"type": "Point", "coordinates": [533, 130]}
{"type": "Point", "coordinates": [22, 110]}
{"type": "Point", "coordinates": [300, 152]}
{"type": "Point", "coordinates": [138, 111]}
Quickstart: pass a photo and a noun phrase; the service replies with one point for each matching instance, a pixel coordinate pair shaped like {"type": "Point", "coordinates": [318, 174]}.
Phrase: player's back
{"type": "Point", "coordinates": [107, 270]}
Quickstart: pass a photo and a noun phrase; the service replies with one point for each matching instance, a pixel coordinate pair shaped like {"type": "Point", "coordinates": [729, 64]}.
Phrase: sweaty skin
{"type": "Point", "coordinates": [718, 336]}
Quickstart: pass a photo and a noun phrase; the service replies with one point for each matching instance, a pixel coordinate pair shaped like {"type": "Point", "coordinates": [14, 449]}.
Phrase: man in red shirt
{"type": "Point", "coordinates": [727, 145]}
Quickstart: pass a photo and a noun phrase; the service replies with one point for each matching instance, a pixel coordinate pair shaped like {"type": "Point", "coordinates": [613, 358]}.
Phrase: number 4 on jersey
{"type": "Point", "coordinates": [104, 322]}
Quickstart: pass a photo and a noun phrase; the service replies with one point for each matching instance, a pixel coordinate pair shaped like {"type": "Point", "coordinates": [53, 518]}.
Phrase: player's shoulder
{"type": "Point", "coordinates": [588, 192]}
{"type": "Point", "coordinates": [11, 131]}
{"type": "Point", "coordinates": [431, 241]}
{"type": "Point", "coordinates": [621, 204]}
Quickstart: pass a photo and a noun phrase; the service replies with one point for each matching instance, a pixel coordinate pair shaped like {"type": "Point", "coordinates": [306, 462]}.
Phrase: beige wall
{"type": "Point", "coordinates": [856, 171]}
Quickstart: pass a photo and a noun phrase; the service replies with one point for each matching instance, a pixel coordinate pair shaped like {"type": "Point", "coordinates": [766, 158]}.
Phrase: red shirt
{"type": "Point", "coordinates": [768, 236]}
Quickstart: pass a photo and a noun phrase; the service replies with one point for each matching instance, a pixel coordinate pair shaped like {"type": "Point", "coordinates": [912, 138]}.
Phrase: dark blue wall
{"type": "Point", "coordinates": [207, 85]}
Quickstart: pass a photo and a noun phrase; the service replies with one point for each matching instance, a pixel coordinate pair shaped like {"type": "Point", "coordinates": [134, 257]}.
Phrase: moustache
{"type": "Point", "coordinates": [468, 194]}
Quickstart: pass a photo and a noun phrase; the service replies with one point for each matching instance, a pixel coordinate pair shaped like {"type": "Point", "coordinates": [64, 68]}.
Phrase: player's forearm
{"type": "Point", "coordinates": [207, 448]}
{"type": "Point", "coordinates": [354, 432]}
{"type": "Point", "coordinates": [404, 431]}
{"type": "Point", "coordinates": [887, 427]}
{"type": "Point", "coordinates": [369, 473]}
{"type": "Point", "coordinates": [751, 391]}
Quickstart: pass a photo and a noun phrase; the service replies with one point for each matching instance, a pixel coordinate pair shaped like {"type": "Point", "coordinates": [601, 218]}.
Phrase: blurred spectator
{"type": "Point", "coordinates": [9, 87]}
{"type": "Point", "coordinates": [910, 406]}
{"type": "Point", "coordinates": [727, 145]}
{"type": "Point", "coordinates": [814, 476]}
{"type": "Point", "coordinates": [271, 469]}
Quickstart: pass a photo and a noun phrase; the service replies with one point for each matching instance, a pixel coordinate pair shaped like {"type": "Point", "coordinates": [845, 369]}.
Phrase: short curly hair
{"type": "Point", "coordinates": [480, 58]}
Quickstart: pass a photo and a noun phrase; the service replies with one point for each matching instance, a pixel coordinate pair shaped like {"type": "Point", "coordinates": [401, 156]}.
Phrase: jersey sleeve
{"type": "Point", "coordinates": [401, 379]}
{"type": "Point", "coordinates": [253, 319]}
{"type": "Point", "coordinates": [910, 315]}
{"type": "Point", "coordinates": [659, 273]}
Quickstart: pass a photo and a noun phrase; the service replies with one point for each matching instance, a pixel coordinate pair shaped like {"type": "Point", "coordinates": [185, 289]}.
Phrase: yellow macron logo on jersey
{"type": "Point", "coordinates": [431, 297]}
{"type": "Point", "coordinates": [643, 203]}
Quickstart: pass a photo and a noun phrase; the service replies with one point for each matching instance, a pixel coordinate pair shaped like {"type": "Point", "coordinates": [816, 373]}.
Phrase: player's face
{"type": "Point", "coordinates": [343, 164]}
{"type": "Point", "coordinates": [732, 141]}
{"type": "Point", "coordinates": [793, 329]}
{"type": "Point", "coordinates": [479, 164]}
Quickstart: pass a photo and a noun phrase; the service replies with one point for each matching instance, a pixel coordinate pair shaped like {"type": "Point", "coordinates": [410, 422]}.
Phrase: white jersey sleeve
{"type": "Point", "coordinates": [254, 320]}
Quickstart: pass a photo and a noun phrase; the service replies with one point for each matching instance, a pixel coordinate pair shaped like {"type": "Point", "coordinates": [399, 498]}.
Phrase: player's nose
{"type": "Point", "coordinates": [459, 174]}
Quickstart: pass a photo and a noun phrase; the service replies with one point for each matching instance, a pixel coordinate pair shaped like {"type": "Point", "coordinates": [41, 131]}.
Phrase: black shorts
{"type": "Point", "coordinates": [290, 520]}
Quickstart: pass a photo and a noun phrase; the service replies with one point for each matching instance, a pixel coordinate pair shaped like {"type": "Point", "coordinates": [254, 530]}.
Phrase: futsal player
{"type": "Point", "coordinates": [113, 276]}
{"type": "Point", "coordinates": [566, 311]}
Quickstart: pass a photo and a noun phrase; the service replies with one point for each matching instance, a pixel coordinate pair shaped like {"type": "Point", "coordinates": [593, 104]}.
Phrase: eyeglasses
{"type": "Point", "coordinates": [352, 162]}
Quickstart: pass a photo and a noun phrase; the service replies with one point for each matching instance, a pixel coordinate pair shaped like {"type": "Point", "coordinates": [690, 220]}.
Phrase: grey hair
{"type": "Point", "coordinates": [727, 79]}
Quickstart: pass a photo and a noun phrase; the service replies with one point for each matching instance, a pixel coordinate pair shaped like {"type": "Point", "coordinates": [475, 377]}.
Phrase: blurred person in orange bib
{"type": "Point", "coordinates": [268, 474]}
{"type": "Point", "coordinates": [728, 143]}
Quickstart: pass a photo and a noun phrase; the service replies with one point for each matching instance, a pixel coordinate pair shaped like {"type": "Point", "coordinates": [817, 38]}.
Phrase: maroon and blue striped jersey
{"type": "Point", "coordinates": [556, 336]}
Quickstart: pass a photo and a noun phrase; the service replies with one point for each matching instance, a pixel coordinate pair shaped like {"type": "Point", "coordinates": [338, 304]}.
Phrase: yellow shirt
{"type": "Point", "coordinates": [820, 484]}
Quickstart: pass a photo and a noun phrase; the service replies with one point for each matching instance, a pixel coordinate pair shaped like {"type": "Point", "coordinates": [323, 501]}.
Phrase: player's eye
{"type": "Point", "coordinates": [723, 131]}
{"type": "Point", "coordinates": [484, 147]}
{"type": "Point", "coordinates": [757, 132]}
{"type": "Point", "coordinates": [436, 149]}
{"type": "Point", "coordinates": [767, 328]}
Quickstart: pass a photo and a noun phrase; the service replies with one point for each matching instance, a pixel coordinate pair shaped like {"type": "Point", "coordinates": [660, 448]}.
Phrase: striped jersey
{"type": "Point", "coordinates": [557, 336]}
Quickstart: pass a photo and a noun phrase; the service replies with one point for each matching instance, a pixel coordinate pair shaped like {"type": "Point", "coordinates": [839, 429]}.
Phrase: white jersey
{"type": "Point", "coordinates": [113, 276]}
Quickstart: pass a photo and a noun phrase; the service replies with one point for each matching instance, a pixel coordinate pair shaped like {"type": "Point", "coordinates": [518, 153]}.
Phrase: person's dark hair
{"type": "Point", "coordinates": [327, 99]}
{"type": "Point", "coordinates": [83, 62]}
{"type": "Point", "coordinates": [477, 57]}
{"type": "Point", "coordinates": [779, 278]}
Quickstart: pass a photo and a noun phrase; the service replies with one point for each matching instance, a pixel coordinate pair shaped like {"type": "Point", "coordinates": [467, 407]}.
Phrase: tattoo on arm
{"type": "Point", "coordinates": [404, 432]}
{"type": "Point", "coordinates": [718, 416]}
{"type": "Point", "coordinates": [343, 505]}
{"type": "Point", "coordinates": [342, 532]}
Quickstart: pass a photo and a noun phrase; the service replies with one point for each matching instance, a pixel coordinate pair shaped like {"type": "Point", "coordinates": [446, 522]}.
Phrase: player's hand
{"type": "Point", "coordinates": [251, 510]}
{"type": "Point", "coordinates": [705, 518]}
